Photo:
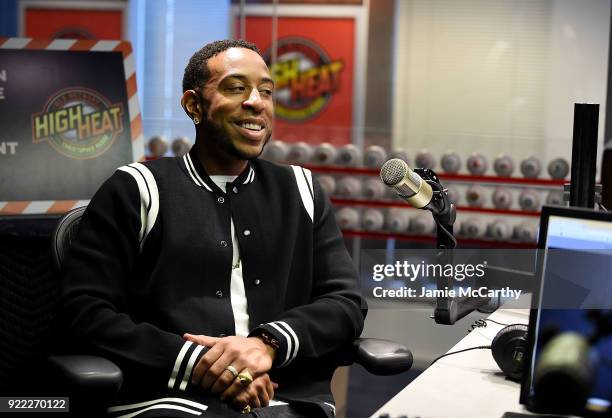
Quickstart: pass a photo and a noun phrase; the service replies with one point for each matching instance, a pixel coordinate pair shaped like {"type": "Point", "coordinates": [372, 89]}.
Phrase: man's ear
{"type": "Point", "coordinates": [192, 106]}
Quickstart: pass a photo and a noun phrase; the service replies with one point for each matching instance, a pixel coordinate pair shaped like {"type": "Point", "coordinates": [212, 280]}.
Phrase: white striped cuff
{"type": "Point", "coordinates": [187, 358]}
{"type": "Point", "coordinates": [179, 404]}
{"type": "Point", "coordinates": [290, 344]}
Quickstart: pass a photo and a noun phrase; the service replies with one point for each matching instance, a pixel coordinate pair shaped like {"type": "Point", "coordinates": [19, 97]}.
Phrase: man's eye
{"type": "Point", "coordinates": [267, 92]}
{"type": "Point", "coordinates": [237, 89]}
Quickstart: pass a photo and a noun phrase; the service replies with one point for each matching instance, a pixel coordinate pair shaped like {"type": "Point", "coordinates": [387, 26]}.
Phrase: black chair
{"type": "Point", "coordinates": [81, 374]}
{"type": "Point", "coordinates": [91, 374]}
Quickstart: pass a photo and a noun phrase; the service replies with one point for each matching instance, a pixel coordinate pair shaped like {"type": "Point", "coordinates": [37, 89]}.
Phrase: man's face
{"type": "Point", "coordinates": [238, 107]}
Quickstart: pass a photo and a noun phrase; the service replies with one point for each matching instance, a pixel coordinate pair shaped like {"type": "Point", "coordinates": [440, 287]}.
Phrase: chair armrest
{"type": "Point", "coordinates": [88, 374]}
{"type": "Point", "coordinates": [382, 357]}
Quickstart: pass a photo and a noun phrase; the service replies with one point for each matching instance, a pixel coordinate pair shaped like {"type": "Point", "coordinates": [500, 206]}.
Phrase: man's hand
{"type": "Point", "coordinates": [256, 395]}
{"type": "Point", "coordinates": [244, 354]}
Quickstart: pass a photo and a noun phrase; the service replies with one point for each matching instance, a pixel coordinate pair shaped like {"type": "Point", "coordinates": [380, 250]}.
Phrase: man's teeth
{"type": "Point", "coordinates": [252, 126]}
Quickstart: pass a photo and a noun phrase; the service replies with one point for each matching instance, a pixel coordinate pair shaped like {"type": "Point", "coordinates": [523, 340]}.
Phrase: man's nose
{"type": "Point", "coordinates": [254, 101]}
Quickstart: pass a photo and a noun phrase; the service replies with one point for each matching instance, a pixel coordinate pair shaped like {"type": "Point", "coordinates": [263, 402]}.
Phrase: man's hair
{"type": "Point", "coordinates": [197, 73]}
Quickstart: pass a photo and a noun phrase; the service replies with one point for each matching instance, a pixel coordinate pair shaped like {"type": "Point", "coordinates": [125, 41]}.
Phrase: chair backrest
{"type": "Point", "coordinates": [64, 235]}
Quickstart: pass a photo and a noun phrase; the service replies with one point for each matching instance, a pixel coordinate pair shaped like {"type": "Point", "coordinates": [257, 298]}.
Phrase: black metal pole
{"type": "Point", "coordinates": [584, 155]}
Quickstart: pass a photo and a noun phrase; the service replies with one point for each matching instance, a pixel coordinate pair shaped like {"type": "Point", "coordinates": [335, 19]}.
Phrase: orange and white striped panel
{"type": "Point", "coordinates": [129, 67]}
{"type": "Point", "coordinates": [37, 207]}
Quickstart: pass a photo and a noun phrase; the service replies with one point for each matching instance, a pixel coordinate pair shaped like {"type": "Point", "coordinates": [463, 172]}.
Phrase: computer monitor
{"type": "Point", "coordinates": [575, 267]}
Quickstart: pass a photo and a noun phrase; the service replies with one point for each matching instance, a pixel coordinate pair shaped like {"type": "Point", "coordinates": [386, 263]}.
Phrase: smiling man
{"type": "Point", "coordinates": [218, 282]}
{"type": "Point", "coordinates": [230, 102]}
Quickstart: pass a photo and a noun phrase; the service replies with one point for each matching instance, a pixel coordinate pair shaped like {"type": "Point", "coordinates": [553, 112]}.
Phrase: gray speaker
{"type": "Point", "coordinates": [300, 152]}
{"type": "Point", "coordinates": [324, 154]}
{"type": "Point", "coordinates": [473, 228]}
{"type": "Point", "coordinates": [503, 165]}
{"type": "Point", "coordinates": [180, 146]}
{"type": "Point", "coordinates": [349, 155]}
{"type": "Point", "coordinates": [158, 146]}
{"type": "Point", "coordinates": [451, 163]}
{"type": "Point", "coordinates": [425, 159]}
{"type": "Point", "coordinates": [475, 196]}
{"type": "Point", "coordinates": [276, 151]}
{"type": "Point", "coordinates": [529, 200]}
{"type": "Point", "coordinates": [374, 156]}
{"type": "Point", "coordinates": [531, 167]}
{"type": "Point", "coordinates": [372, 220]}
{"type": "Point", "coordinates": [348, 218]}
{"type": "Point", "coordinates": [349, 187]}
{"type": "Point", "coordinates": [500, 230]}
{"type": "Point", "coordinates": [502, 198]}
{"type": "Point", "coordinates": [397, 220]}
{"type": "Point", "coordinates": [558, 168]}
{"type": "Point", "coordinates": [477, 164]}
{"type": "Point", "coordinates": [328, 183]}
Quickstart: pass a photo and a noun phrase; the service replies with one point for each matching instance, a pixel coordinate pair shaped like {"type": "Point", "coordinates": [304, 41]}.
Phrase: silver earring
{"type": "Point", "coordinates": [196, 120]}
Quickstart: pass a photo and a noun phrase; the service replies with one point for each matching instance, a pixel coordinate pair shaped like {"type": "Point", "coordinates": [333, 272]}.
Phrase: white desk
{"type": "Point", "coordinates": [464, 385]}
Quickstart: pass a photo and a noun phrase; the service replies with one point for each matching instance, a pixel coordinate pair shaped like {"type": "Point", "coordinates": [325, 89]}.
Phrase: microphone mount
{"type": "Point", "coordinates": [443, 211]}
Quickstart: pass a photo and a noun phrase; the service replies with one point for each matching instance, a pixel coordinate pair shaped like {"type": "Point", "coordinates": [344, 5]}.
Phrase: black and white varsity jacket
{"type": "Point", "coordinates": [152, 261]}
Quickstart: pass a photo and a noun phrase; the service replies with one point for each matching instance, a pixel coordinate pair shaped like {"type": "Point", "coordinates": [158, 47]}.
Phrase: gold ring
{"type": "Point", "coordinates": [232, 370]}
{"type": "Point", "coordinates": [245, 378]}
{"type": "Point", "coordinates": [246, 410]}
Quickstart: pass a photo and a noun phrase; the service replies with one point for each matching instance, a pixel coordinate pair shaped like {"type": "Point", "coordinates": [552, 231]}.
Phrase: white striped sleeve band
{"type": "Point", "coordinates": [303, 177]}
{"type": "Point", "coordinates": [177, 404]}
{"type": "Point", "coordinates": [161, 406]}
{"type": "Point", "coordinates": [186, 360]}
{"type": "Point", "coordinates": [288, 335]}
{"type": "Point", "coordinates": [192, 359]}
{"type": "Point", "coordinates": [149, 197]}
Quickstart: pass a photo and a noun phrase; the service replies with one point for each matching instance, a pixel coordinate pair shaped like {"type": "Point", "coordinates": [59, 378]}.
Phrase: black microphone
{"type": "Point", "coordinates": [414, 189]}
{"type": "Point", "coordinates": [565, 373]}
{"type": "Point", "coordinates": [409, 185]}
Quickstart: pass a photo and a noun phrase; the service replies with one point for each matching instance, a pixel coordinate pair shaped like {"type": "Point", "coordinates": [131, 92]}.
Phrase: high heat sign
{"type": "Point", "coordinates": [69, 116]}
{"type": "Point", "coordinates": [314, 73]}
{"type": "Point", "coordinates": [306, 78]}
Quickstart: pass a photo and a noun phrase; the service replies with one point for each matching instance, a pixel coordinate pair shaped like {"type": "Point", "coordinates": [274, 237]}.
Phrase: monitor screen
{"type": "Point", "coordinates": [570, 348]}
{"type": "Point", "coordinates": [578, 234]}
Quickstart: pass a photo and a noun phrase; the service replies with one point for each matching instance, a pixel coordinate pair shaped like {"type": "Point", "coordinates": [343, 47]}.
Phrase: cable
{"type": "Point", "coordinates": [452, 238]}
{"type": "Point", "coordinates": [439, 190]}
{"type": "Point", "coordinates": [602, 207]}
{"type": "Point", "coordinates": [480, 347]}
{"type": "Point", "coordinates": [482, 323]}
{"type": "Point", "coordinates": [498, 323]}
{"type": "Point", "coordinates": [479, 323]}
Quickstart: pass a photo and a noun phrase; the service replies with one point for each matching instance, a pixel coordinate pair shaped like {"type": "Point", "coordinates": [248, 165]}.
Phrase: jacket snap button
{"type": "Point", "coordinates": [219, 294]}
{"type": "Point", "coordinates": [247, 232]}
{"type": "Point", "coordinates": [257, 282]}
{"type": "Point", "coordinates": [235, 190]}
{"type": "Point", "coordinates": [220, 199]}
{"type": "Point", "coordinates": [223, 243]}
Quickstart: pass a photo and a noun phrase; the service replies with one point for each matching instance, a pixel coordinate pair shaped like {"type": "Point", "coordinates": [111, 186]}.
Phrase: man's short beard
{"type": "Point", "coordinates": [212, 131]}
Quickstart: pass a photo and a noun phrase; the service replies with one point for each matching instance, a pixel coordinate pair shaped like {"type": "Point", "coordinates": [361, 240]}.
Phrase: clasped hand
{"type": "Point", "coordinates": [244, 354]}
